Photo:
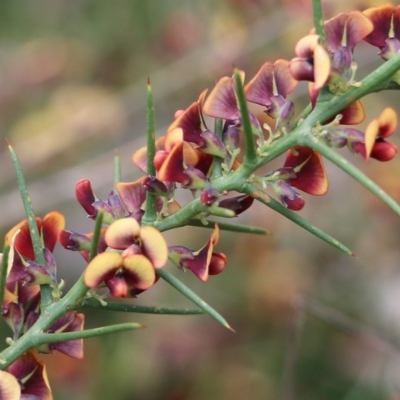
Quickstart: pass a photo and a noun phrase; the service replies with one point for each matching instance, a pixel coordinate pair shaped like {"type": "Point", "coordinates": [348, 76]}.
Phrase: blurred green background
{"type": "Point", "coordinates": [72, 91]}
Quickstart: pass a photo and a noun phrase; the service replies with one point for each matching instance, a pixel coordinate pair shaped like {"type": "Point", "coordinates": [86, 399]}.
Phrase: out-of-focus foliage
{"type": "Point", "coordinates": [72, 89]}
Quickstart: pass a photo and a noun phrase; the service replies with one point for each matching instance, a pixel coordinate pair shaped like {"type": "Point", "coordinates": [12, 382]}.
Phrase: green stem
{"type": "Point", "coordinates": [262, 197]}
{"type": "Point", "coordinates": [96, 235]}
{"type": "Point", "coordinates": [255, 230]}
{"type": "Point", "coordinates": [217, 162]}
{"type": "Point", "coordinates": [353, 171]}
{"type": "Point", "coordinates": [46, 291]}
{"type": "Point", "coordinates": [117, 169]}
{"type": "Point", "coordinates": [150, 213]}
{"type": "Point", "coordinates": [250, 155]}
{"type": "Point", "coordinates": [324, 110]}
{"type": "Point", "coordinates": [133, 308]}
{"type": "Point", "coordinates": [180, 287]}
{"type": "Point", "coordinates": [43, 338]}
{"type": "Point", "coordinates": [3, 273]}
{"type": "Point", "coordinates": [319, 21]}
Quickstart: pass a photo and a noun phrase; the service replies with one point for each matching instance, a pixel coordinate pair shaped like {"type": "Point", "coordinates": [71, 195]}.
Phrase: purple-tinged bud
{"type": "Point", "coordinates": [212, 144]}
{"type": "Point", "coordinates": [13, 315]}
{"type": "Point", "coordinates": [209, 195]}
{"type": "Point", "coordinates": [231, 137]}
{"type": "Point", "coordinates": [37, 274]}
{"type": "Point", "coordinates": [237, 204]}
{"type": "Point", "coordinates": [195, 179]}
{"type": "Point", "coordinates": [155, 186]}
{"type": "Point", "coordinates": [116, 204]}
{"type": "Point", "coordinates": [75, 241]}
{"type": "Point", "coordinates": [86, 197]}
{"type": "Point", "coordinates": [50, 263]}
{"type": "Point", "coordinates": [281, 174]}
{"type": "Point", "coordinates": [178, 254]}
{"type": "Point", "coordinates": [282, 110]}
{"type": "Point", "coordinates": [108, 213]}
{"type": "Point", "coordinates": [288, 196]}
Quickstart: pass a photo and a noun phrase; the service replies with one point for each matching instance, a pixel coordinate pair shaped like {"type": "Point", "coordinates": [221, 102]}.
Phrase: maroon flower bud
{"type": "Point", "coordinates": [209, 196]}
{"type": "Point", "coordinates": [86, 197]}
{"type": "Point", "coordinates": [237, 204]}
{"type": "Point", "coordinates": [288, 196]}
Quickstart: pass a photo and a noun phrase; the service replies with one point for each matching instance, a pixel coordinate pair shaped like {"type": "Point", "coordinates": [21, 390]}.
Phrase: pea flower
{"type": "Point", "coordinates": [386, 31]}
{"type": "Point", "coordinates": [203, 262]}
{"type": "Point", "coordinates": [130, 262]}
{"type": "Point", "coordinates": [26, 378]}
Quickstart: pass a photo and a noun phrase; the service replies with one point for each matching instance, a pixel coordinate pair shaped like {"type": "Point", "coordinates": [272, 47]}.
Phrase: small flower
{"type": "Point", "coordinates": [203, 262]}
{"type": "Point", "coordinates": [310, 175]}
{"type": "Point", "coordinates": [272, 80]}
{"type": "Point", "coordinates": [32, 377]}
{"type": "Point", "coordinates": [221, 102]}
{"type": "Point", "coordinates": [312, 62]}
{"type": "Point", "coordinates": [49, 229]}
{"type": "Point", "coordinates": [70, 322]}
{"type": "Point", "coordinates": [288, 196]}
{"type": "Point", "coordinates": [137, 252]}
{"type": "Point", "coordinates": [238, 204]}
{"type": "Point", "coordinates": [112, 209]}
{"type": "Point", "coordinates": [373, 142]}
{"type": "Point", "coordinates": [377, 131]}
{"type": "Point", "coordinates": [386, 31]}
{"type": "Point", "coordinates": [303, 169]}
{"type": "Point", "coordinates": [343, 32]}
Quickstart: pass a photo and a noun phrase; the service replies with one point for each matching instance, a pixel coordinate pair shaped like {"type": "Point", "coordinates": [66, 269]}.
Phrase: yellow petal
{"type": "Point", "coordinates": [154, 246]}
{"type": "Point", "coordinates": [9, 387]}
{"type": "Point", "coordinates": [100, 267]}
{"type": "Point", "coordinates": [139, 271]}
{"type": "Point", "coordinates": [122, 233]}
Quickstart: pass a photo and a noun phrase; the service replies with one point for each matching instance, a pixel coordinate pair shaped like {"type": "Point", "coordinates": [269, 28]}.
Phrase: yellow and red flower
{"type": "Point", "coordinates": [130, 262]}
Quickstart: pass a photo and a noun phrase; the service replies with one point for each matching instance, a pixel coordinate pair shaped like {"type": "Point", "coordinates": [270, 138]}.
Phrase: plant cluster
{"type": "Point", "coordinates": [126, 253]}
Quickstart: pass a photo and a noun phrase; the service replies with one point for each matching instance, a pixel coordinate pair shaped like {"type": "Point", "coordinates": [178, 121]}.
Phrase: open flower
{"type": "Point", "coordinates": [70, 322]}
{"type": "Point", "coordinates": [304, 170]}
{"type": "Point", "coordinates": [373, 142]}
{"type": "Point", "coordinates": [49, 229]}
{"type": "Point", "coordinates": [135, 252]}
{"type": "Point", "coordinates": [377, 131]}
{"type": "Point", "coordinates": [203, 262]}
{"type": "Point", "coordinates": [31, 377]}
{"type": "Point", "coordinates": [312, 62]}
{"type": "Point", "coordinates": [112, 209]}
{"type": "Point", "coordinates": [386, 32]}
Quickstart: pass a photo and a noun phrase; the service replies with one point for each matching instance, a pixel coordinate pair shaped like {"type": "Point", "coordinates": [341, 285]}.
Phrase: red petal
{"type": "Point", "coordinates": [132, 194]}
{"type": "Point", "coordinates": [199, 265]}
{"type": "Point", "coordinates": [383, 151]}
{"type": "Point", "coordinates": [381, 17]}
{"type": "Point", "coordinates": [387, 122]}
{"type": "Point", "coordinates": [52, 225]}
{"type": "Point", "coordinates": [28, 369]}
{"type": "Point", "coordinates": [139, 158]}
{"type": "Point", "coordinates": [353, 114]}
{"type": "Point", "coordinates": [85, 196]}
{"type": "Point", "coordinates": [221, 103]}
{"type": "Point", "coordinates": [310, 173]}
{"type": "Point", "coordinates": [270, 78]}
{"type": "Point", "coordinates": [190, 123]}
{"type": "Point", "coordinates": [354, 24]}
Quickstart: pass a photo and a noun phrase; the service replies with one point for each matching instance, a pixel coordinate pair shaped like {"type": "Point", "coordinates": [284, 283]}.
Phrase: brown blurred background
{"type": "Point", "coordinates": [72, 90]}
